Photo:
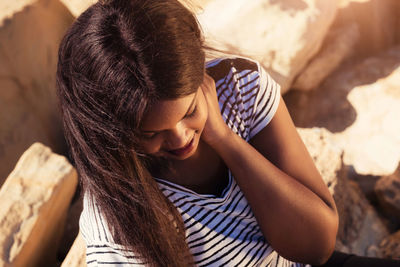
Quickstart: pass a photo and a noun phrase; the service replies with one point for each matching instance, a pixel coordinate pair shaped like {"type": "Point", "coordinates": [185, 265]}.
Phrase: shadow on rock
{"type": "Point", "coordinates": [327, 106]}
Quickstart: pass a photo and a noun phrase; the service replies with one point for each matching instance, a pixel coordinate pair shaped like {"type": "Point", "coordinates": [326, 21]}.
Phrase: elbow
{"type": "Point", "coordinates": [318, 253]}
{"type": "Point", "coordinates": [311, 242]}
{"type": "Point", "coordinates": [324, 243]}
{"type": "Point", "coordinates": [321, 255]}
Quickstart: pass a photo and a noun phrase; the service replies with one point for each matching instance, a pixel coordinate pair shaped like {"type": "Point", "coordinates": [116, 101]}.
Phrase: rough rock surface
{"type": "Point", "coordinates": [76, 7]}
{"type": "Point", "coordinates": [30, 32]}
{"type": "Point", "coordinates": [360, 228]}
{"type": "Point", "coordinates": [34, 200]}
{"type": "Point", "coordinates": [387, 190]}
{"type": "Point", "coordinates": [360, 103]}
{"type": "Point", "coordinates": [77, 254]}
{"type": "Point", "coordinates": [71, 229]}
{"type": "Point", "coordinates": [326, 156]}
{"type": "Point", "coordinates": [338, 45]}
{"type": "Point", "coordinates": [377, 21]}
{"type": "Point", "coordinates": [372, 142]}
{"type": "Point", "coordinates": [390, 246]}
{"type": "Point", "coordinates": [283, 35]}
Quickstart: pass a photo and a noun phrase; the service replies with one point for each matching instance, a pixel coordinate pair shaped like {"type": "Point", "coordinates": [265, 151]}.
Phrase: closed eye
{"type": "Point", "coordinates": [149, 135]}
{"type": "Point", "coordinates": [192, 113]}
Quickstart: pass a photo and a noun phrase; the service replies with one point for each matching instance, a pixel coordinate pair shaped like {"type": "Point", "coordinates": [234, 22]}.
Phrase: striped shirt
{"type": "Point", "coordinates": [220, 230]}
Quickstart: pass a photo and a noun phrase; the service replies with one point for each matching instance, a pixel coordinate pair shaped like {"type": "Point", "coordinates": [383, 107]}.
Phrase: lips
{"type": "Point", "coordinates": [184, 150]}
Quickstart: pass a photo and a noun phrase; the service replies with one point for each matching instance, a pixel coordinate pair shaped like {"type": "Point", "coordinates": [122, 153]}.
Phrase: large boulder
{"type": "Point", "coordinates": [338, 45]}
{"type": "Point", "coordinates": [76, 7]}
{"type": "Point", "coordinates": [30, 32]}
{"type": "Point", "coordinates": [387, 190]}
{"type": "Point", "coordinates": [76, 256]}
{"type": "Point", "coordinates": [360, 103]}
{"type": "Point", "coordinates": [390, 246]}
{"type": "Point", "coordinates": [372, 143]}
{"type": "Point", "coordinates": [361, 28]}
{"type": "Point", "coordinates": [283, 35]}
{"type": "Point", "coordinates": [326, 156]}
{"type": "Point", "coordinates": [34, 202]}
{"type": "Point", "coordinates": [360, 228]}
{"type": "Point", "coordinates": [377, 21]}
{"type": "Point", "coordinates": [71, 229]}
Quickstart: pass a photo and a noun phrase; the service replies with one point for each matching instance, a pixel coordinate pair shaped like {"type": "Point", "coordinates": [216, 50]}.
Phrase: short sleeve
{"type": "Point", "coordinates": [105, 254]}
{"type": "Point", "coordinates": [265, 104]}
{"type": "Point", "coordinates": [100, 247]}
{"type": "Point", "coordinates": [248, 97]}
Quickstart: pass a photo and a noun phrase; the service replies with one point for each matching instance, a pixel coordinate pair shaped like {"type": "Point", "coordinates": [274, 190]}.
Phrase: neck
{"type": "Point", "coordinates": [204, 172]}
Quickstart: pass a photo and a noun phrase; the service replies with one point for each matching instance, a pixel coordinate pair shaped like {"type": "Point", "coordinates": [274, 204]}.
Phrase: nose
{"type": "Point", "coordinates": [178, 136]}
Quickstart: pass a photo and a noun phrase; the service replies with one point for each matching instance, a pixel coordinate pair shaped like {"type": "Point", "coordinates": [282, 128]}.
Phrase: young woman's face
{"type": "Point", "coordinates": [172, 128]}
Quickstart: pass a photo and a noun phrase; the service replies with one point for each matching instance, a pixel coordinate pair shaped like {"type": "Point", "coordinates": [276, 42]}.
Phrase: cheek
{"type": "Point", "coordinates": [150, 147]}
{"type": "Point", "coordinates": [203, 112]}
{"type": "Point", "coordinates": [203, 119]}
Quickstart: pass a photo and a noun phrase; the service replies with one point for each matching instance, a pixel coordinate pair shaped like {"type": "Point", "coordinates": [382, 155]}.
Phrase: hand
{"type": "Point", "coordinates": [215, 129]}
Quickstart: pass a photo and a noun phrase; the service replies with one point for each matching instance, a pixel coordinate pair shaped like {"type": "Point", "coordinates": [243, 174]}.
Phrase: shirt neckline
{"type": "Point", "coordinates": [181, 189]}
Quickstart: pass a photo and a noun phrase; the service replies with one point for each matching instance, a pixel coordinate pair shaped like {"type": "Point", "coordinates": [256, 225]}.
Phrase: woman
{"type": "Point", "coordinates": [167, 180]}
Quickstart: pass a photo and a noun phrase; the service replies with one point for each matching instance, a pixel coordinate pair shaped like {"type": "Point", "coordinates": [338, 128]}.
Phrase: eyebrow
{"type": "Point", "coordinates": [190, 107]}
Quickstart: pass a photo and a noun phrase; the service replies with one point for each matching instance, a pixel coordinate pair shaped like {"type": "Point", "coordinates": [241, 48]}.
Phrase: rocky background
{"type": "Point", "coordinates": [338, 63]}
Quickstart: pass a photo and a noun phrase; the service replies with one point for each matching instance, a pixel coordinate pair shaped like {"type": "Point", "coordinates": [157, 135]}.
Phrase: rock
{"type": "Point", "coordinates": [76, 7]}
{"type": "Point", "coordinates": [30, 34]}
{"type": "Point", "coordinates": [283, 35]}
{"type": "Point", "coordinates": [372, 143]}
{"type": "Point", "coordinates": [387, 190]}
{"type": "Point", "coordinates": [71, 229]}
{"type": "Point", "coordinates": [8, 8]}
{"type": "Point", "coordinates": [376, 20]}
{"type": "Point", "coordinates": [360, 103]}
{"type": "Point", "coordinates": [34, 200]}
{"type": "Point", "coordinates": [338, 45]}
{"type": "Point", "coordinates": [360, 227]}
{"type": "Point", "coordinates": [77, 254]}
{"type": "Point", "coordinates": [326, 156]}
{"type": "Point", "coordinates": [390, 246]}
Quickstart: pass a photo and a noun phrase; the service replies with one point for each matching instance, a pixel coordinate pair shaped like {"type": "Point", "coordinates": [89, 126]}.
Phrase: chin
{"type": "Point", "coordinates": [186, 152]}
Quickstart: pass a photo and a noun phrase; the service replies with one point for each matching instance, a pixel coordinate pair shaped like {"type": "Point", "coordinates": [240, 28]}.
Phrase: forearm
{"type": "Point", "coordinates": [296, 220]}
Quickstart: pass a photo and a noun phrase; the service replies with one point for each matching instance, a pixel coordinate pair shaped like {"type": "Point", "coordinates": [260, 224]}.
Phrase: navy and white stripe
{"type": "Point", "coordinates": [220, 230]}
{"type": "Point", "coordinates": [248, 97]}
{"type": "Point", "coordinates": [100, 247]}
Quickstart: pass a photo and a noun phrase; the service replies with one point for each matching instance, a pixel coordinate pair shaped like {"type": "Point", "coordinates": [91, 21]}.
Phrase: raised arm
{"type": "Point", "coordinates": [288, 197]}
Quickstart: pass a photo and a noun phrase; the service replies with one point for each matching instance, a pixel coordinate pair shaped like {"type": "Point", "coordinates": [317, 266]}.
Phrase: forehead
{"type": "Point", "coordinates": [165, 114]}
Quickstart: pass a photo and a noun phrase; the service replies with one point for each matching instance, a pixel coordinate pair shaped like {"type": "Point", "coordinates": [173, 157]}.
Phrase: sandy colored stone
{"type": "Point", "coordinates": [76, 7]}
{"type": "Point", "coordinates": [360, 104]}
{"type": "Point", "coordinates": [372, 142]}
{"type": "Point", "coordinates": [71, 229]}
{"type": "Point", "coordinates": [30, 34]}
{"type": "Point", "coordinates": [326, 156]}
{"type": "Point", "coordinates": [360, 228]}
{"type": "Point", "coordinates": [377, 21]}
{"type": "Point", "coordinates": [76, 257]}
{"type": "Point", "coordinates": [34, 200]}
{"type": "Point", "coordinates": [387, 190]}
{"type": "Point", "coordinates": [283, 35]}
{"type": "Point", "coordinates": [390, 246]}
{"type": "Point", "coordinates": [9, 8]}
{"type": "Point", "coordinates": [338, 45]}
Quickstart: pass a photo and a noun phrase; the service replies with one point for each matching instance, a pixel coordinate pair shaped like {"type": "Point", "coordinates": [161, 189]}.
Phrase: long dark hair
{"type": "Point", "coordinates": [117, 59]}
